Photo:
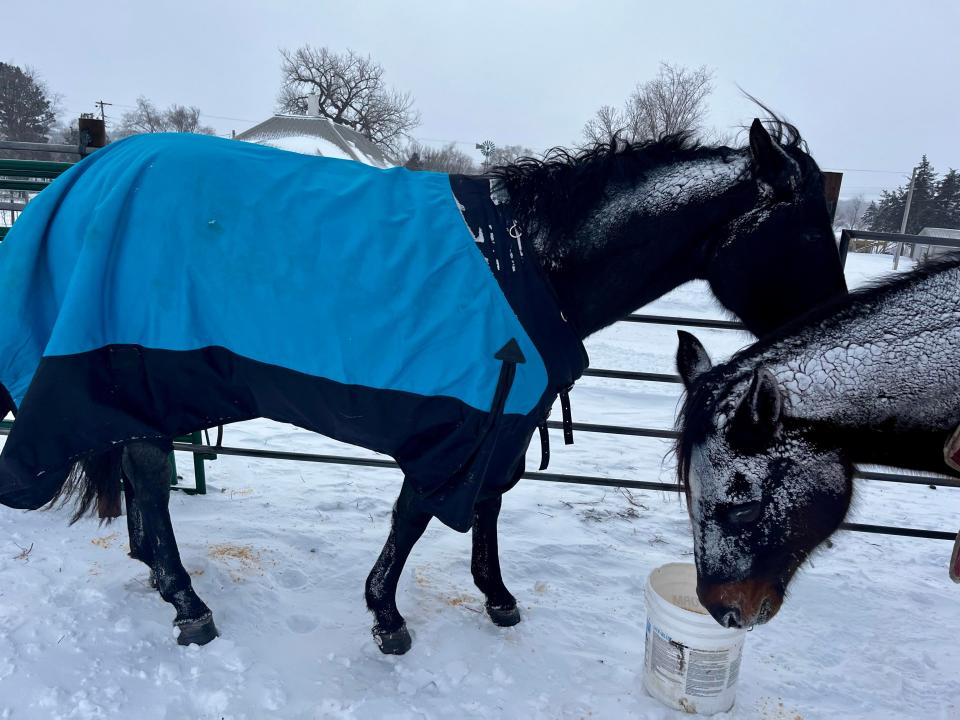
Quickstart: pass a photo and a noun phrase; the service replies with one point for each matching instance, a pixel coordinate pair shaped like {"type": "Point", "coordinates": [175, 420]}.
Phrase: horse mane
{"type": "Point", "coordinates": [564, 185]}
{"type": "Point", "coordinates": [700, 404]}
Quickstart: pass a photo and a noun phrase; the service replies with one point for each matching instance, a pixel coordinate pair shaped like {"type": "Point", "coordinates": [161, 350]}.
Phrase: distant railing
{"type": "Point", "coordinates": [847, 235]}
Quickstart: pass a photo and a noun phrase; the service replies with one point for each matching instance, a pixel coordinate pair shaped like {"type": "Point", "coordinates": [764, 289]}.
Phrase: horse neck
{"type": "Point", "coordinates": [884, 361]}
{"type": "Point", "coordinates": [911, 449]}
{"type": "Point", "coordinates": [643, 239]}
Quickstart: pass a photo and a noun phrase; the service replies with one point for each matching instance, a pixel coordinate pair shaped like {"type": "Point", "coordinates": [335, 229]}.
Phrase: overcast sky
{"type": "Point", "coordinates": [872, 85]}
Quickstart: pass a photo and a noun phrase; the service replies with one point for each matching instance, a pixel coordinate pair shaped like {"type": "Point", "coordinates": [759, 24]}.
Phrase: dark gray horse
{"type": "Point", "coordinates": [614, 227]}
{"type": "Point", "coordinates": [769, 439]}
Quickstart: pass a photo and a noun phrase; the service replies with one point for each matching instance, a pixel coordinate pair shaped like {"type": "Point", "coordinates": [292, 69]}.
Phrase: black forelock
{"type": "Point", "coordinates": [697, 411]}
{"type": "Point", "coordinates": [783, 132]}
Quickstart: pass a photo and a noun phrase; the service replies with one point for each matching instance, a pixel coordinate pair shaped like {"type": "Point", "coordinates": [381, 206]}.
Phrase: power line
{"type": "Point", "coordinates": [470, 143]}
{"type": "Point", "coordinates": [202, 114]}
{"type": "Point", "coordinates": [890, 172]}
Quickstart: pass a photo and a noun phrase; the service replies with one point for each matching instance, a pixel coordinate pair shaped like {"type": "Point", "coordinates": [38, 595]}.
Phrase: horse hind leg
{"type": "Point", "coordinates": [485, 564]}
{"type": "Point", "coordinates": [146, 468]}
{"type": "Point", "coordinates": [140, 548]}
{"type": "Point", "coordinates": [407, 526]}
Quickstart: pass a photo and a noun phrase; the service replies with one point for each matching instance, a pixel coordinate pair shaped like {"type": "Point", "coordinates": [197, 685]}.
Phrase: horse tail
{"type": "Point", "coordinates": [95, 479]}
{"type": "Point", "coordinates": [92, 482]}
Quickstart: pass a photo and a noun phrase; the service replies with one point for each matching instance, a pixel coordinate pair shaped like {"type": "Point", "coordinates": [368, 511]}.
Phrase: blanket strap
{"type": "Point", "coordinates": [567, 417]}
{"type": "Point", "coordinates": [955, 561]}
{"type": "Point", "coordinates": [206, 432]}
{"type": "Point", "coordinates": [544, 445]}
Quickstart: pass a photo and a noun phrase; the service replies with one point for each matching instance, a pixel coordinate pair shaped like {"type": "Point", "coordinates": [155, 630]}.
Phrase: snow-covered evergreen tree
{"type": "Point", "coordinates": [947, 201]}
{"type": "Point", "coordinates": [26, 107]}
{"type": "Point", "coordinates": [936, 203]}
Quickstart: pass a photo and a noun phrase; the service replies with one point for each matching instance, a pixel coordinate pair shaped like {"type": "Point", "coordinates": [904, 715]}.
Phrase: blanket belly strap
{"type": "Point", "coordinates": [544, 445]}
{"type": "Point", "coordinates": [567, 416]}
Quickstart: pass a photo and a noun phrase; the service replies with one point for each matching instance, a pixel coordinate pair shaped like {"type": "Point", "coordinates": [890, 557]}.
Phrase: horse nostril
{"type": "Point", "coordinates": [744, 513]}
{"type": "Point", "coordinates": [765, 610]}
{"type": "Point", "coordinates": [730, 617]}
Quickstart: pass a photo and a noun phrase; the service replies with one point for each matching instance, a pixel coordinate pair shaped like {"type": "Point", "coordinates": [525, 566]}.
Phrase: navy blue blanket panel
{"type": "Point", "coordinates": [170, 283]}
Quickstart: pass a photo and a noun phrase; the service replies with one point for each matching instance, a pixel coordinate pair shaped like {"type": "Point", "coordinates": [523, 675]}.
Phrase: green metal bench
{"type": "Point", "coordinates": [33, 176]}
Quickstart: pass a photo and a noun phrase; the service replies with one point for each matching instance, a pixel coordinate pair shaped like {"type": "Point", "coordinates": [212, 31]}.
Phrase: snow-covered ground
{"type": "Point", "coordinates": [280, 551]}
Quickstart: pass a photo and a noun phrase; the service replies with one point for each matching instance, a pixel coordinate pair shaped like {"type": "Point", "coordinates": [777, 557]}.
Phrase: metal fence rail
{"type": "Point", "coordinates": [79, 149]}
{"type": "Point", "coordinates": [541, 476]}
{"type": "Point", "coordinates": [206, 451]}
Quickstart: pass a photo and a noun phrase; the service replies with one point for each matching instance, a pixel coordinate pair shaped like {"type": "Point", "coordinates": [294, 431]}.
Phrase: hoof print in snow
{"type": "Point", "coordinates": [397, 642]}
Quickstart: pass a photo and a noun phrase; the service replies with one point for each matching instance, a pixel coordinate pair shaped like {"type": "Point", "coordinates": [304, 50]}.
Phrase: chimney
{"type": "Point", "coordinates": [313, 105]}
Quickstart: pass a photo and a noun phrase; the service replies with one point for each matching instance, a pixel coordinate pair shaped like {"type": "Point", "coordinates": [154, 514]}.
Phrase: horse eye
{"type": "Point", "coordinates": [744, 513]}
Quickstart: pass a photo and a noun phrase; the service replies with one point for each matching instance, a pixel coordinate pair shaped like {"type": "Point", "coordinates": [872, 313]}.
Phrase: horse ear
{"type": "Point", "coordinates": [771, 162]}
{"type": "Point", "coordinates": [759, 414]}
{"type": "Point", "coordinates": [692, 358]}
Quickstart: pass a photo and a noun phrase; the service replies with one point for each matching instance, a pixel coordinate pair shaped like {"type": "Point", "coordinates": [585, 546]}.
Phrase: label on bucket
{"type": "Point", "coordinates": [694, 672]}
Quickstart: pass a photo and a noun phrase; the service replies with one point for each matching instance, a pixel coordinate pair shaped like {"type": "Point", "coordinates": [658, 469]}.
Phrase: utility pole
{"type": "Point", "coordinates": [906, 216]}
{"type": "Point", "coordinates": [100, 104]}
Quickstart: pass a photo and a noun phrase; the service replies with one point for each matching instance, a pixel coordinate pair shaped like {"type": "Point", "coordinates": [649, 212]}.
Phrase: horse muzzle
{"type": "Point", "coordinates": [741, 604]}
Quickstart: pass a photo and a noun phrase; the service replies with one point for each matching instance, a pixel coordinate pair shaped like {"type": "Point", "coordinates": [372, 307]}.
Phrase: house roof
{"type": "Point", "coordinates": [951, 233]}
{"type": "Point", "coordinates": [316, 136]}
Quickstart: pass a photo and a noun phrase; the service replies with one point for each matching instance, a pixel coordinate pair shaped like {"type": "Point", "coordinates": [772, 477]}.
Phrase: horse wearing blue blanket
{"type": "Point", "coordinates": [171, 283]}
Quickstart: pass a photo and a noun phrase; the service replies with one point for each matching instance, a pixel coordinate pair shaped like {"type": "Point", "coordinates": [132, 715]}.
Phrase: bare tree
{"type": "Point", "coordinates": [608, 122]}
{"type": "Point", "coordinates": [674, 101]}
{"type": "Point", "coordinates": [147, 118]}
{"type": "Point", "coordinates": [447, 159]}
{"type": "Point", "coordinates": [352, 92]}
{"type": "Point", "coordinates": [184, 119]}
{"type": "Point", "coordinates": [503, 155]}
{"type": "Point", "coordinates": [850, 213]}
{"type": "Point", "coordinates": [506, 154]}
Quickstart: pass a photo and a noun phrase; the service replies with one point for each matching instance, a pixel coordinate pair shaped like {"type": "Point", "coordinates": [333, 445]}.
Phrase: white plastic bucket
{"type": "Point", "coordinates": [691, 662]}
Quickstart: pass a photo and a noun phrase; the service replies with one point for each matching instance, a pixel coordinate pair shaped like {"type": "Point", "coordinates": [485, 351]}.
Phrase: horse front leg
{"type": "Point", "coordinates": [147, 470]}
{"type": "Point", "coordinates": [407, 526]}
{"type": "Point", "coordinates": [485, 564]}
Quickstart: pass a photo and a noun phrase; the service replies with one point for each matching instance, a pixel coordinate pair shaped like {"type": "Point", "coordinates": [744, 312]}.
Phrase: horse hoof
{"type": "Point", "coordinates": [197, 632]}
{"type": "Point", "coordinates": [504, 616]}
{"type": "Point", "coordinates": [393, 643]}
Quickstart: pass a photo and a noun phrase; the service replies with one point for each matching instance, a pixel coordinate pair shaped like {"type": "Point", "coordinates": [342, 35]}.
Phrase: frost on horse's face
{"type": "Point", "coordinates": [763, 491]}
{"type": "Point", "coordinates": [757, 514]}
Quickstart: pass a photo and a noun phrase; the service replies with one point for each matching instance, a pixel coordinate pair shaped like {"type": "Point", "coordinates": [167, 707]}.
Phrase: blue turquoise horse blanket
{"type": "Point", "coordinates": [170, 283]}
